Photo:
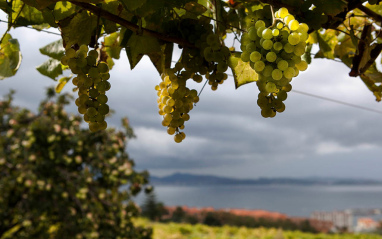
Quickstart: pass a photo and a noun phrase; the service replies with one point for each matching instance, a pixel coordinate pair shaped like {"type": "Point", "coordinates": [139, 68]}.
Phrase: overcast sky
{"type": "Point", "coordinates": [226, 134]}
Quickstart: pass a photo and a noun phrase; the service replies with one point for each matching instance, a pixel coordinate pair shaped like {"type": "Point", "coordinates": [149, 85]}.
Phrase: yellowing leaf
{"type": "Point", "coordinates": [242, 71]}
{"type": "Point", "coordinates": [370, 78]}
{"type": "Point", "coordinates": [63, 9]}
{"type": "Point", "coordinates": [10, 57]}
{"type": "Point", "coordinates": [61, 83]}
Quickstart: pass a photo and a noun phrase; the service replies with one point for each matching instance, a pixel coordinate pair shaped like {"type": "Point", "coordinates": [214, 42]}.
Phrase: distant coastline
{"type": "Point", "coordinates": [195, 180]}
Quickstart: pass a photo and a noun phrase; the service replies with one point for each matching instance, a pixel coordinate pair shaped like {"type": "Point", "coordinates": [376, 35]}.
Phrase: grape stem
{"type": "Point", "coordinates": [273, 17]}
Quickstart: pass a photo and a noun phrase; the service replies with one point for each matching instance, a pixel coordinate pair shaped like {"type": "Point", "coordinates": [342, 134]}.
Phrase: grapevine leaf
{"type": "Point", "coordinates": [78, 30]}
{"type": "Point", "coordinates": [5, 7]}
{"type": "Point", "coordinates": [112, 45]}
{"type": "Point", "coordinates": [242, 71]}
{"type": "Point", "coordinates": [10, 57]}
{"type": "Point", "coordinates": [346, 51]}
{"type": "Point", "coordinates": [370, 78]}
{"type": "Point", "coordinates": [332, 7]}
{"type": "Point", "coordinates": [132, 5]}
{"type": "Point", "coordinates": [63, 10]}
{"type": "Point", "coordinates": [61, 83]}
{"type": "Point", "coordinates": [138, 46]}
{"type": "Point", "coordinates": [307, 55]}
{"type": "Point", "coordinates": [327, 43]}
{"type": "Point", "coordinates": [51, 68]}
{"type": "Point", "coordinates": [26, 15]}
{"type": "Point", "coordinates": [39, 4]}
{"type": "Point", "coordinates": [54, 50]}
{"type": "Point", "coordinates": [163, 59]}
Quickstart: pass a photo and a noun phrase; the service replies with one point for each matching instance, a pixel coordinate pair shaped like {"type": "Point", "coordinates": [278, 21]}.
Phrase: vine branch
{"type": "Point", "coordinates": [133, 27]}
{"type": "Point", "coordinates": [10, 23]}
{"type": "Point", "coordinates": [370, 13]}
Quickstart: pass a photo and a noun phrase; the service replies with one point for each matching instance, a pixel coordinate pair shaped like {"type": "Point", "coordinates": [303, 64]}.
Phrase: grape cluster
{"type": "Point", "coordinates": [209, 58]}
{"type": "Point", "coordinates": [275, 52]}
{"type": "Point", "coordinates": [218, 56]}
{"type": "Point", "coordinates": [175, 101]}
{"type": "Point", "coordinates": [91, 82]}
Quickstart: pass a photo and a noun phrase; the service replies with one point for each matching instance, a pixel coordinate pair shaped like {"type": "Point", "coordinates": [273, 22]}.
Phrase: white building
{"type": "Point", "coordinates": [342, 220]}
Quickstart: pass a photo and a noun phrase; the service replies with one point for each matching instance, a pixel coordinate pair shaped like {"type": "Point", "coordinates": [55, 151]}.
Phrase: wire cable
{"type": "Point", "coordinates": [296, 91]}
{"type": "Point", "coordinates": [40, 30]}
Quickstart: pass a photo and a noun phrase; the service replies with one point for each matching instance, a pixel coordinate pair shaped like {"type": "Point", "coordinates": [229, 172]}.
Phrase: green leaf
{"type": "Point", "coordinates": [54, 50]}
{"type": "Point", "coordinates": [132, 5]}
{"type": "Point", "coordinates": [371, 77]}
{"type": "Point", "coordinates": [5, 7]}
{"type": "Point", "coordinates": [327, 42]}
{"type": "Point", "coordinates": [51, 68]}
{"type": "Point", "coordinates": [138, 46]}
{"type": "Point", "coordinates": [61, 83]}
{"type": "Point", "coordinates": [307, 55]}
{"type": "Point", "coordinates": [39, 4]}
{"type": "Point", "coordinates": [63, 10]}
{"type": "Point", "coordinates": [163, 59]}
{"type": "Point", "coordinates": [332, 7]}
{"type": "Point", "coordinates": [79, 29]}
{"type": "Point", "coordinates": [26, 14]}
{"type": "Point", "coordinates": [242, 71]}
{"type": "Point", "coordinates": [112, 45]}
{"type": "Point", "coordinates": [10, 57]}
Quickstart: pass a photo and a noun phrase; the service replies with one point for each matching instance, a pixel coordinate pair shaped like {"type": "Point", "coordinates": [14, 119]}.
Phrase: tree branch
{"type": "Point", "coordinates": [362, 44]}
{"type": "Point", "coordinates": [123, 22]}
{"type": "Point", "coordinates": [371, 13]}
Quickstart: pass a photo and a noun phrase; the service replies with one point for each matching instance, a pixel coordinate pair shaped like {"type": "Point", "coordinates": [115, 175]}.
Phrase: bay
{"type": "Point", "coordinates": [293, 200]}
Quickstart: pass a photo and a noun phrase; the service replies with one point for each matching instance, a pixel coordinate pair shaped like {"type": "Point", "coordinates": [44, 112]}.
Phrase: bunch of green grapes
{"type": "Point", "coordinates": [175, 101]}
{"type": "Point", "coordinates": [218, 55]}
{"type": "Point", "coordinates": [275, 52]}
{"type": "Point", "coordinates": [209, 58]}
{"type": "Point", "coordinates": [92, 83]}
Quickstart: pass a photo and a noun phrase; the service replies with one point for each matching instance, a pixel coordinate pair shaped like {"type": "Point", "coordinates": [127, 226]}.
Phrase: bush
{"type": "Point", "coordinates": [60, 181]}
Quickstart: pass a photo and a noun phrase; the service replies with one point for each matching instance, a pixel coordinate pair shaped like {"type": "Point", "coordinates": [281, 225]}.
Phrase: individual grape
{"type": "Point", "coordinates": [267, 34]}
{"type": "Point", "coordinates": [245, 56]}
{"type": "Point", "coordinates": [103, 109]}
{"type": "Point", "coordinates": [259, 24]}
{"type": "Point", "coordinates": [277, 74]}
{"type": "Point", "coordinates": [259, 66]}
{"type": "Point", "coordinates": [271, 56]}
{"type": "Point", "coordinates": [102, 67]}
{"type": "Point", "coordinates": [283, 12]}
{"type": "Point", "coordinates": [289, 73]}
{"type": "Point", "coordinates": [294, 38]}
{"type": "Point", "coordinates": [278, 46]}
{"type": "Point", "coordinates": [267, 44]}
{"type": "Point", "coordinates": [268, 70]}
{"type": "Point", "coordinates": [282, 65]}
{"type": "Point", "coordinates": [252, 33]}
{"type": "Point", "coordinates": [270, 87]}
{"type": "Point", "coordinates": [302, 65]}
{"type": "Point", "coordinates": [293, 25]}
{"type": "Point", "coordinates": [288, 48]}
{"type": "Point", "coordinates": [255, 56]}
{"type": "Point", "coordinates": [275, 32]}
{"type": "Point", "coordinates": [288, 18]}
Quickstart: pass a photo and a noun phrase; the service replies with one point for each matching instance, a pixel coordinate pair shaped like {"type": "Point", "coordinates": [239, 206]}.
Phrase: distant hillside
{"type": "Point", "coordinates": [192, 179]}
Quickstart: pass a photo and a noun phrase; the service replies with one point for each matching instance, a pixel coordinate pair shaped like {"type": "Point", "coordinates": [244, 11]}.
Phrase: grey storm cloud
{"type": "Point", "coordinates": [226, 134]}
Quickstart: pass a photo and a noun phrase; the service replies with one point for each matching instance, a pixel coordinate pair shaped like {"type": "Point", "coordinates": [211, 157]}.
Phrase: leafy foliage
{"type": "Point", "coordinates": [60, 181]}
{"type": "Point", "coordinates": [348, 31]}
{"type": "Point", "coordinates": [187, 231]}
